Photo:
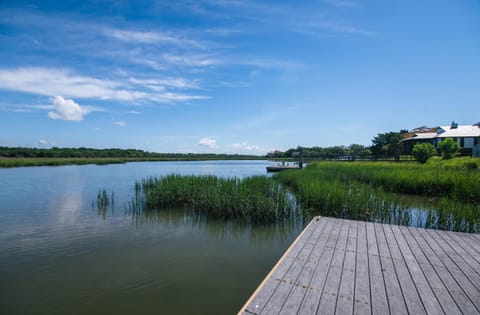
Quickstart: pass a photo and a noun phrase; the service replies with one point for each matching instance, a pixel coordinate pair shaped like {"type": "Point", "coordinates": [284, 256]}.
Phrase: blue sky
{"type": "Point", "coordinates": [234, 76]}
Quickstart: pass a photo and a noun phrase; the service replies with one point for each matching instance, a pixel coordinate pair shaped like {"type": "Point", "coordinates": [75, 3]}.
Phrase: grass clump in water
{"type": "Point", "coordinates": [104, 202]}
{"type": "Point", "coordinates": [255, 199]}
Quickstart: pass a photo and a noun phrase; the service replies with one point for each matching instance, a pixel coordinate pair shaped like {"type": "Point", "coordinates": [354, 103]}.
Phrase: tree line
{"type": "Point", "coordinates": [384, 145]}
{"type": "Point", "coordinates": [56, 152]}
{"type": "Point", "coordinates": [353, 150]}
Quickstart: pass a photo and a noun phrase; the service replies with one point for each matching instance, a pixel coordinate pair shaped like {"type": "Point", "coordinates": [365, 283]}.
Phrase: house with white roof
{"type": "Point", "coordinates": [467, 137]}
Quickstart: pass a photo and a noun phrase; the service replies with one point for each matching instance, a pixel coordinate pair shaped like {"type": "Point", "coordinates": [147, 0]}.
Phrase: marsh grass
{"type": "Point", "coordinates": [253, 199]}
{"type": "Point", "coordinates": [104, 202]}
{"type": "Point", "coordinates": [23, 162]}
{"type": "Point", "coordinates": [363, 191]}
{"type": "Point", "coordinates": [457, 179]}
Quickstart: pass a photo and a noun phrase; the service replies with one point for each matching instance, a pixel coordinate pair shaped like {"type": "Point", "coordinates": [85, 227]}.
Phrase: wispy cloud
{"type": "Point", "coordinates": [142, 37]}
{"type": "Point", "coordinates": [266, 63]}
{"type": "Point", "coordinates": [180, 83]}
{"type": "Point", "coordinates": [45, 81]}
{"type": "Point", "coordinates": [223, 31]}
{"type": "Point", "coordinates": [245, 147]}
{"type": "Point", "coordinates": [191, 60]}
{"type": "Point", "coordinates": [150, 37]}
{"type": "Point", "coordinates": [208, 142]}
{"type": "Point", "coordinates": [50, 82]}
{"type": "Point", "coordinates": [120, 123]}
{"type": "Point", "coordinates": [335, 27]}
{"type": "Point", "coordinates": [22, 110]}
{"type": "Point", "coordinates": [263, 17]}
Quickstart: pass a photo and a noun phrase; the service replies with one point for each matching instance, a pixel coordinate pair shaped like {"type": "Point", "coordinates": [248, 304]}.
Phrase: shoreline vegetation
{"type": "Point", "coordinates": [372, 191]}
{"type": "Point", "coordinates": [55, 156]}
{"type": "Point", "coordinates": [24, 162]}
{"type": "Point", "coordinates": [19, 157]}
{"type": "Point", "coordinates": [256, 200]}
{"type": "Point", "coordinates": [448, 193]}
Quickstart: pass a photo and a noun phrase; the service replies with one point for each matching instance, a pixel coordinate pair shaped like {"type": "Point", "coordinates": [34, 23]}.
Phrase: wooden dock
{"type": "Point", "coordinates": [341, 266]}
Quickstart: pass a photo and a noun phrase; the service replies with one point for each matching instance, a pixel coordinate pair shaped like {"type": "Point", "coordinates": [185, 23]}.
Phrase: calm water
{"type": "Point", "coordinates": [58, 255]}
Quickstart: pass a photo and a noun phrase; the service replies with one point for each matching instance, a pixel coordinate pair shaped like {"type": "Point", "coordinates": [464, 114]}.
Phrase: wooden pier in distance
{"type": "Point", "coordinates": [339, 266]}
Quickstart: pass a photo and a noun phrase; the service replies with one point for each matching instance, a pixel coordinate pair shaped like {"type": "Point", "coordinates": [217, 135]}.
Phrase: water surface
{"type": "Point", "coordinates": [59, 255]}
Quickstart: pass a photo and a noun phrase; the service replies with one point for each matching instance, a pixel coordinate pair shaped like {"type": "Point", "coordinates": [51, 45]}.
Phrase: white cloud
{"type": "Point", "coordinates": [67, 109]}
{"type": "Point", "coordinates": [148, 62]}
{"type": "Point", "coordinates": [223, 31]}
{"type": "Point", "coordinates": [152, 37]}
{"type": "Point", "coordinates": [120, 123]}
{"type": "Point", "coordinates": [43, 142]}
{"type": "Point", "coordinates": [168, 97]}
{"type": "Point", "coordinates": [179, 83]}
{"type": "Point", "coordinates": [268, 63]}
{"type": "Point", "coordinates": [141, 37]}
{"type": "Point", "coordinates": [49, 82]}
{"type": "Point", "coordinates": [133, 112]}
{"type": "Point", "coordinates": [323, 28]}
{"type": "Point", "coordinates": [208, 142]}
{"type": "Point", "coordinates": [190, 60]}
{"type": "Point", "coordinates": [245, 147]}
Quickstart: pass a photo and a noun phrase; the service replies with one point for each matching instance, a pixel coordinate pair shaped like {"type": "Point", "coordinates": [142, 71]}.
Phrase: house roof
{"type": "Point", "coordinates": [424, 129]}
{"type": "Point", "coordinates": [460, 131]}
{"type": "Point", "coordinates": [420, 136]}
{"type": "Point", "coordinates": [425, 135]}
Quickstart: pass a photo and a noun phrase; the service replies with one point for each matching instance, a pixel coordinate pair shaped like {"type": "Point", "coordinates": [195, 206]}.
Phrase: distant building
{"type": "Point", "coordinates": [467, 137]}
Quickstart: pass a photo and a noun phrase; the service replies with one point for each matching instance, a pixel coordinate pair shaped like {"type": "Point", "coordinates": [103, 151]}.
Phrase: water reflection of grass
{"type": "Point", "coordinates": [363, 191]}
{"type": "Point", "coordinates": [220, 229]}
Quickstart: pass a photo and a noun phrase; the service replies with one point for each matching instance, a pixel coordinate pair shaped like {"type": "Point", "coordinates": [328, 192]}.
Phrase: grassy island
{"type": "Point", "coordinates": [256, 199]}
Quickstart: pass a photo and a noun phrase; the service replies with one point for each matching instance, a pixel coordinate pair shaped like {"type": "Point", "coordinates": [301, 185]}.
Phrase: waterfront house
{"type": "Point", "coordinates": [467, 137]}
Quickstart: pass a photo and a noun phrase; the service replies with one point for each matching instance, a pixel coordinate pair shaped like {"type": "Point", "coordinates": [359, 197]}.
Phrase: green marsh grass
{"type": "Point", "coordinates": [104, 202]}
{"type": "Point", "coordinates": [254, 199]}
{"type": "Point", "coordinates": [365, 191]}
{"type": "Point", "coordinates": [458, 179]}
{"type": "Point", "coordinates": [23, 162]}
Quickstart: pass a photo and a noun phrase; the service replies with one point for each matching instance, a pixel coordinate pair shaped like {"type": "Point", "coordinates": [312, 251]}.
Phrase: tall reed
{"type": "Point", "coordinates": [255, 199]}
{"type": "Point", "coordinates": [104, 202]}
{"type": "Point", "coordinates": [327, 189]}
{"type": "Point", "coordinates": [458, 180]}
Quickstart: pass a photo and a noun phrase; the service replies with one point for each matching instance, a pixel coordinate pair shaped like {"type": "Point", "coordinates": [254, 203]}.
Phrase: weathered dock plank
{"type": "Point", "coordinates": [392, 284]}
{"type": "Point", "coordinates": [362, 278]}
{"type": "Point", "coordinates": [312, 296]}
{"type": "Point", "coordinates": [459, 297]}
{"type": "Point", "coordinates": [410, 294]}
{"type": "Point", "coordinates": [377, 282]}
{"type": "Point", "coordinates": [341, 266]}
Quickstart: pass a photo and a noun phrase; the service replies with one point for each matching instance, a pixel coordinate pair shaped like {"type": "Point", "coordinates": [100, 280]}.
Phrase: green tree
{"type": "Point", "coordinates": [358, 150]}
{"type": "Point", "coordinates": [449, 148]}
{"type": "Point", "coordinates": [423, 151]}
{"type": "Point", "coordinates": [387, 144]}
